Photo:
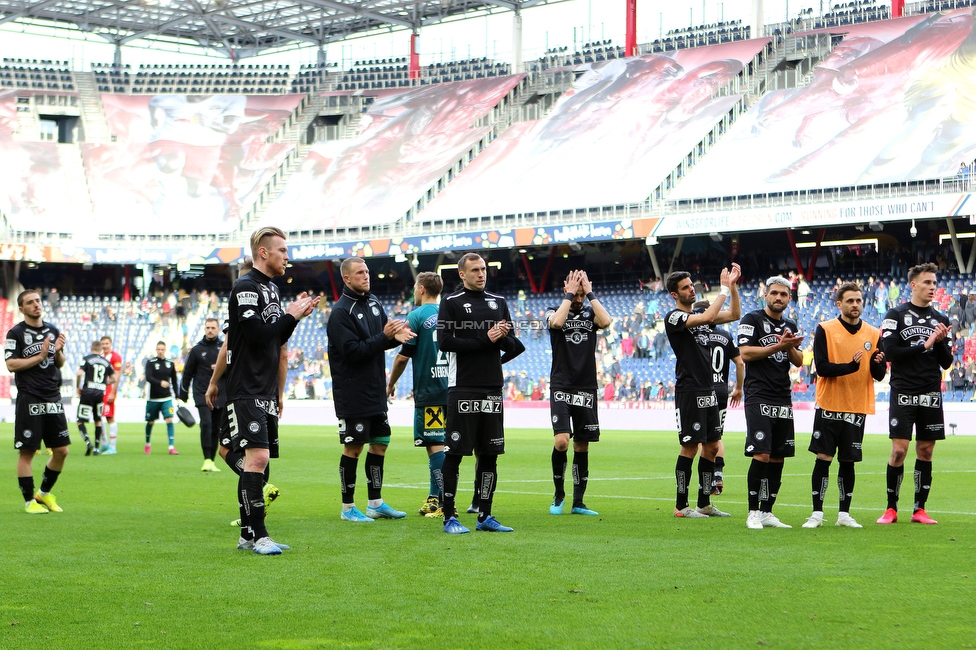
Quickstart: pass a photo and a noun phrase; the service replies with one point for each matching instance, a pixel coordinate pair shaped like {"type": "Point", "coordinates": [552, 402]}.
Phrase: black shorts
{"type": "Point", "coordinates": [219, 419]}
{"type": "Point", "coordinates": [253, 424]}
{"type": "Point", "coordinates": [575, 412]}
{"type": "Point", "coordinates": [769, 430]}
{"type": "Point", "coordinates": [38, 419]}
{"type": "Point", "coordinates": [924, 412]}
{"type": "Point", "coordinates": [697, 417]}
{"type": "Point", "coordinates": [90, 405]}
{"type": "Point", "coordinates": [374, 430]}
{"type": "Point", "coordinates": [475, 422]}
{"type": "Point", "coordinates": [838, 434]}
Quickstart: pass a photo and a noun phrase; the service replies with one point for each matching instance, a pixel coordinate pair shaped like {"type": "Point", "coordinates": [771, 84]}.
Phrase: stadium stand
{"type": "Point", "coordinates": [313, 77]}
{"type": "Point", "coordinates": [590, 53]}
{"type": "Point", "coordinates": [700, 36]}
{"type": "Point", "coordinates": [233, 78]}
{"type": "Point", "coordinates": [35, 74]}
{"type": "Point", "coordinates": [395, 73]}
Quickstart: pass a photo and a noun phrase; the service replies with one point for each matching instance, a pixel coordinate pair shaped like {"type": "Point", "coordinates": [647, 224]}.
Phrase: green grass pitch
{"type": "Point", "coordinates": [144, 556]}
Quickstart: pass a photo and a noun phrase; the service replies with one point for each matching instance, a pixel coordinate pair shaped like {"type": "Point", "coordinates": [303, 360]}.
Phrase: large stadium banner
{"type": "Point", "coordinates": [614, 137]}
{"type": "Point", "coordinates": [409, 139]}
{"type": "Point", "coordinates": [184, 163]}
{"type": "Point", "coordinates": [32, 190]}
{"type": "Point", "coordinates": [894, 101]}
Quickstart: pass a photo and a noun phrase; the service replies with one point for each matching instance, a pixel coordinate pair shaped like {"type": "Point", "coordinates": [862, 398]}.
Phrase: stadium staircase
{"type": "Point", "coordinates": [92, 114]}
{"type": "Point", "coordinates": [274, 187]}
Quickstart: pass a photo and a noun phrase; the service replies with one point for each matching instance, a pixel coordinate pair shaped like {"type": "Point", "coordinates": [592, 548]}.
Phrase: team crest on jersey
{"type": "Point", "coordinates": [760, 436]}
{"type": "Point", "coordinates": [28, 339]}
{"type": "Point", "coordinates": [867, 345]}
{"type": "Point", "coordinates": [455, 436]}
{"type": "Point", "coordinates": [492, 304]}
{"type": "Point", "coordinates": [766, 327]}
{"type": "Point", "coordinates": [816, 435]}
{"type": "Point", "coordinates": [908, 321]}
{"type": "Point", "coordinates": [376, 312]}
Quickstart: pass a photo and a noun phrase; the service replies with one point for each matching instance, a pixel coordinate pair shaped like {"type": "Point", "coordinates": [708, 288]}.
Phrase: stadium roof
{"type": "Point", "coordinates": [246, 27]}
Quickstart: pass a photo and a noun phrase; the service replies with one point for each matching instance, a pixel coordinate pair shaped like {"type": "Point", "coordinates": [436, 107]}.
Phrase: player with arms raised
{"type": "Point", "coordinates": [573, 388]}
{"type": "Point", "coordinates": [698, 417]}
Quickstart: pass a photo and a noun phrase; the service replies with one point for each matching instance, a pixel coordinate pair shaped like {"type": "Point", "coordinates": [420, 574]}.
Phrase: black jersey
{"type": "Point", "coordinates": [473, 360]}
{"type": "Point", "coordinates": [721, 349]}
{"type": "Point", "coordinates": [914, 369]}
{"type": "Point", "coordinates": [573, 350]}
{"type": "Point", "coordinates": [257, 328]}
{"type": "Point", "coordinates": [767, 380]}
{"type": "Point", "coordinates": [24, 341]}
{"type": "Point", "coordinates": [692, 365]}
{"type": "Point", "coordinates": [96, 370]}
{"type": "Point", "coordinates": [157, 371]}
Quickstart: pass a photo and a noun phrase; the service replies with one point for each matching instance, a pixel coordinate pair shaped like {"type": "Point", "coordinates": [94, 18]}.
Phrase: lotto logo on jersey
{"type": "Point", "coordinates": [46, 408]}
{"type": "Point", "coordinates": [247, 298]}
{"type": "Point", "coordinates": [479, 406]}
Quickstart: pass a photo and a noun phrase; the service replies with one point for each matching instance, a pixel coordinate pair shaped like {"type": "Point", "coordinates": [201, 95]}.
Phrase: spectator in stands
{"type": "Point", "coordinates": [893, 292]}
{"type": "Point", "coordinates": [520, 302]}
{"type": "Point", "coordinates": [53, 300]}
{"type": "Point", "coordinates": [957, 379]}
{"type": "Point", "coordinates": [802, 291]}
{"type": "Point", "coordinates": [954, 312]}
{"type": "Point", "coordinates": [969, 313]}
{"type": "Point", "coordinates": [660, 344]}
{"type": "Point", "coordinates": [643, 348]}
{"type": "Point", "coordinates": [761, 295]}
{"type": "Point", "coordinates": [609, 390]}
{"type": "Point", "coordinates": [881, 297]}
{"type": "Point", "coordinates": [958, 348]}
{"type": "Point", "coordinates": [964, 172]}
{"type": "Point", "coordinates": [627, 345]}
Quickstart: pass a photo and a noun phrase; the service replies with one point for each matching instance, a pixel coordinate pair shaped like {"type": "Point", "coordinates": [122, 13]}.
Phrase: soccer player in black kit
{"type": "Point", "coordinates": [698, 417]}
{"type": "Point", "coordinates": [915, 339]}
{"type": "Point", "coordinates": [258, 327]}
{"type": "Point", "coordinates": [34, 352]}
{"type": "Point", "coordinates": [723, 352]}
{"type": "Point", "coordinates": [768, 343]}
{"type": "Point", "coordinates": [94, 375]}
{"type": "Point", "coordinates": [573, 389]}
{"type": "Point", "coordinates": [475, 327]}
{"type": "Point", "coordinates": [359, 335]}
